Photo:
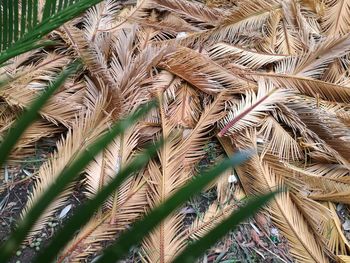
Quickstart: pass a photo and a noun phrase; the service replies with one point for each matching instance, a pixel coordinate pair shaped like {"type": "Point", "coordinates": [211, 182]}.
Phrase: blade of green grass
{"type": "Point", "coordinates": [143, 227]}
{"type": "Point", "coordinates": [49, 8]}
{"type": "Point", "coordinates": [16, 21]}
{"type": "Point", "coordinates": [10, 21]}
{"type": "Point", "coordinates": [87, 210]}
{"type": "Point", "coordinates": [196, 249]}
{"type": "Point", "coordinates": [5, 27]}
{"type": "Point", "coordinates": [35, 13]}
{"type": "Point", "coordinates": [29, 14]}
{"type": "Point", "coordinates": [60, 5]}
{"type": "Point", "coordinates": [29, 116]}
{"type": "Point", "coordinates": [67, 175]}
{"type": "Point", "coordinates": [1, 31]}
{"type": "Point", "coordinates": [23, 17]}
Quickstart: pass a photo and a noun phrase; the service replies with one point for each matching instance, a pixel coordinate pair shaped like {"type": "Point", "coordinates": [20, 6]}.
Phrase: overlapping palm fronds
{"type": "Point", "coordinates": [268, 75]}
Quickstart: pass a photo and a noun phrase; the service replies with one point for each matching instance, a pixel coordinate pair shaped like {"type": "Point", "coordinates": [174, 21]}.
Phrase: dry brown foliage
{"type": "Point", "coordinates": [268, 75]}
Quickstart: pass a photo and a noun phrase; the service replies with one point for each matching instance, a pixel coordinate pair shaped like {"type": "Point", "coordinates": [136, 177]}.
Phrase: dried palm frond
{"type": "Point", "coordinates": [316, 219]}
{"type": "Point", "coordinates": [91, 55]}
{"type": "Point", "coordinates": [127, 15]}
{"type": "Point", "coordinates": [278, 68]}
{"type": "Point", "coordinates": [316, 6]}
{"type": "Point", "coordinates": [270, 33]}
{"type": "Point", "coordinates": [195, 11]}
{"type": "Point", "coordinates": [313, 63]}
{"type": "Point", "coordinates": [288, 117]}
{"type": "Point", "coordinates": [172, 173]}
{"type": "Point", "coordinates": [257, 177]}
{"type": "Point", "coordinates": [324, 122]}
{"type": "Point", "coordinates": [324, 188]}
{"type": "Point", "coordinates": [87, 242]}
{"type": "Point", "coordinates": [12, 68]}
{"type": "Point", "coordinates": [289, 31]}
{"type": "Point", "coordinates": [168, 83]}
{"type": "Point", "coordinates": [313, 179]}
{"type": "Point", "coordinates": [279, 141]}
{"type": "Point", "coordinates": [331, 170]}
{"type": "Point", "coordinates": [248, 58]}
{"type": "Point", "coordinates": [307, 86]}
{"type": "Point", "coordinates": [153, 30]}
{"type": "Point", "coordinates": [301, 72]}
{"type": "Point", "coordinates": [168, 238]}
{"type": "Point", "coordinates": [101, 170]}
{"type": "Point", "coordinates": [117, 160]}
{"type": "Point", "coordinates": [66, 150]}
{"type": "Point", "coordinates": [7, 116]}
{"type": "Point", "coordinates": [343, 258]}
{"type": "Point", "coordinates": [61, 108]}
{"type": "Point", "coordinates": [36, 131]}
{"type": "Point", "coordinates": [288, 41]}
{"type": "Point", "coordinates": [128, 204]}
{"type": "Point", "coordinates": [33, 79]}
{"type": "Point", "coordinates": [336, 18]}
{"type": "Point", "coordinates": [192, 147]}
{"type": "Point", "coordinates": [338, 195]}
{"type": "Point", "coordinates": [133, 75]}
{"type": "Point", "coordinates": [131, 205]}
{"type": "Point", "coordinates": [186, 109]}
{"type": "Point", "coordinates": [247, 17]}
{"type": "Point", "coordinates": [333, 233]}
{"type": "Point", "coordinates": [211, 218]}
{"type": "Point", "coordinates": [100, 17]}
{"type": "Point", "coordinates": [88, 126]}
{"type": "Point", "coordinates": [171, 26]}
{"type": "Point", "coordinates": [120, 151]}
{"type": "Point", "coordinates": [201, 71]}
{"type": "Point", "coordinates": [253, 108]}
{"type": "Point", "coordinates": [25, 146]}
{"type": "Point", "coordinates": [303, 22]}
{"type": "Point", "coordinates": [316, 214]}
{"type": "Point", "coordinates": [335, 73]}
{"type": "Point", "coordinates": [310, 142]}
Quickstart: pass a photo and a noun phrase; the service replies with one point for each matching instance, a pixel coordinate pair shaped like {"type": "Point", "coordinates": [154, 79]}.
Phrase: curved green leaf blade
{"type": "Point", "coordinates": [67, 176]}
{"type": "Point", "coordinates": [196, 249]}
{"type": "Point", "coordinates": [143, 227]}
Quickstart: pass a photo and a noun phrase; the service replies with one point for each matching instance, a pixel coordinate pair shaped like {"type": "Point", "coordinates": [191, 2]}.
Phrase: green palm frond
{"type": "Point", "coordinates": [22, 29]}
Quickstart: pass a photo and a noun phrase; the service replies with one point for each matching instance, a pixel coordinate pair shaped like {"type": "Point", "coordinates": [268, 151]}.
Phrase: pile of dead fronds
{"type": "Point", "coordinates": [268, 75]}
